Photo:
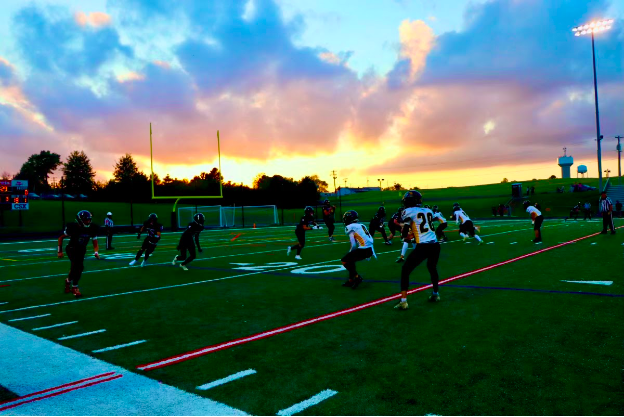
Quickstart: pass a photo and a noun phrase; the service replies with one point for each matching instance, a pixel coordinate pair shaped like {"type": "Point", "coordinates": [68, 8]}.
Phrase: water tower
{"type": "Point", "coordinates": [565, 162]}
{"type": "Point", "coordinates": [581, 169]}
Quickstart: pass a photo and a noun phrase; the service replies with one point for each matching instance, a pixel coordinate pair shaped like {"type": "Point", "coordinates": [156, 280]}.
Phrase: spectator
{"type": "Point", "coordinates": [501, 210]}
{"type": "Point", "coordinates": [618, 208]}
{"type": "Point", "coordinates": [494, 211]}
{"type": "Point", "coordinates": [508, 207]}
{"type": "Point", "coordinates": [532, 190]}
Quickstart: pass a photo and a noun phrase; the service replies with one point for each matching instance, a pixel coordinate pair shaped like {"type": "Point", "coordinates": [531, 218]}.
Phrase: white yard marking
{"type": "Point", "coordinates": [31, 317]}
{"type": "Point", "coordinates": [513, 243]}
{"type": "Point", "coordinates": [119, 346]}
{"type": "Point", "coordinates": [54, 325]}
{"type": "Point", "coordinates": [3, 302]}
{"type": "Point", "coordinates": [81, 334]}
{"type": "Point", "coordinates": [227, 379]}
{"type": "Point", "coordinates": [593, 243]}
{"type": "Point", "coordinates": [299, 407]}
{"type": "Point", "coordinates": [590, 282]}
{"type": "Point", "coordinates": [490, 243]}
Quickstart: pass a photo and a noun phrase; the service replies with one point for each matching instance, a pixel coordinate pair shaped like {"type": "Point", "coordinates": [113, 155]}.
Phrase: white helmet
{"type": "Point", "coordinates": [109, 214]}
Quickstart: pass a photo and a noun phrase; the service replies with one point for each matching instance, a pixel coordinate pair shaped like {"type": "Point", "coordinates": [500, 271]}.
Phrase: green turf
{"type": "Point", "coordinates": [480, 351]}
{"type": "Point", "coordinates": [6, 395]}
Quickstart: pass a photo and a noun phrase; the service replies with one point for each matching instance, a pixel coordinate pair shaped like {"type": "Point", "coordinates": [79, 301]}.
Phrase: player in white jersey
{"type": "Point", "coordinates": [361, 247]}
{"type": "Point", "coordinates": [419, 220]}
{"type": "Point", "coordinates": [443, 224]}
{"type": "Point", "coordinates": [536, 218]}
{"type": "Point", "coordinates": [466, 228]}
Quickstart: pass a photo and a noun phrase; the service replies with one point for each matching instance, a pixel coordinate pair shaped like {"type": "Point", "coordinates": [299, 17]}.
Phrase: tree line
{"type": "Point", "coordinates": [129, 184]}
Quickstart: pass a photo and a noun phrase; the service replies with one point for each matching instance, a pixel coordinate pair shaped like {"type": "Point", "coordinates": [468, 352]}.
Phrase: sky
{"type": "Point", "coordinates": [417, 92]}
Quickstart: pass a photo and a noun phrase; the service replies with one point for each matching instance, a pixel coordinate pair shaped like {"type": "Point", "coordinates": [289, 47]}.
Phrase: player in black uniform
{"type": "Point", "coordinates": [328, 218]}
{"type": "Point", "coordinates": [188, 240]}
{"type": "Point", "coordinates": [377, 224]}
{"type": "Point", "coordinates": [79, 233]}
{"type": "Point", "coordinates": [153, 230]}
{"type": "Point", "coordinates": [394, 225]}
{"type": "Point", "coordinates": [306, 223]}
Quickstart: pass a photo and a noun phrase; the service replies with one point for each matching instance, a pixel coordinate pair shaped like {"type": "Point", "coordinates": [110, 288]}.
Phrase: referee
{"type": "Point", "coordinates": [108, 224]}
{"type": "Point", "coordinates": [606, 208]}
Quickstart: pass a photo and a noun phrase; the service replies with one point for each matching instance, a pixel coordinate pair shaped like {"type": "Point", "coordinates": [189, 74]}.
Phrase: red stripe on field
{"type": "Point", "coordinates": [32, 400]}
{"type": "Point", "coordinates": [8, 285]}
{"type": "Point", "coordinates": [59, 387]}
{"type": "Point", "coordinates": [235, 237]}
{"type": "Point", "coordinates": [214, 348]}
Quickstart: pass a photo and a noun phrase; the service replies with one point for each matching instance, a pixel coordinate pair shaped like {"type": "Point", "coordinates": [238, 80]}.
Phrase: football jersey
{"type": "Point", "coordinates": [361, 236]}
{"type": "Point", "coordinates": [532, 210]}
{"type": "Point", "coordinates": [377, 219]}
{"type": "Point", "coordinates": [79, 235]}
{"type": "Point", "coordinates": [461, 216]}
{"type": "Point", "coordinates": [437, 215]}
{"type": "Point", "coordinates": [192, 230]}
{"type": "Point", "coordinates": [152, 229]}
{"type": "Point", "coordinates": [307, 221]}
{"type": "Point", "coordinates": [421, 220]}
{"type": "Point", "coordinates": [108, 222]}
{"type": "Point", "coordinates": [328, 212]}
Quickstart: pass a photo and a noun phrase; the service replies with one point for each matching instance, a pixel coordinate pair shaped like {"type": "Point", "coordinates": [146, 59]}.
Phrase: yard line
{"type": "Point", "coordinates": [31, 317]}
{"type": "Point", "coordinates": [81, 334]}
{"type": "Point", "coordinates": [590, 282]}
{"type": "Point", "coordinates": [55, 325]}
{"type": "Point", "coordinates": [226, 345]}
{"type": "Point", "coordinates": [154, 289]}
{"type": "Point", "coordinates": [227, 379]}
{"type": "Point", "coordinates": [119, 346]}
{"type": "Point", "coordinates": [299, 407]}
{"type": "Point", "coordinates": [5, 302]}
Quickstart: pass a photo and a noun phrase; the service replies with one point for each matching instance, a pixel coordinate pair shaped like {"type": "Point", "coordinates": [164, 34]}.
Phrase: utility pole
{"type": "Point", "coordinates": [619, 151]}
{"type": "Point", "coordinates": [345, 180]}
{"type": "Point", "coordinates": [334, 176]}
{"type": "Point", "coordinates": [366, 182]}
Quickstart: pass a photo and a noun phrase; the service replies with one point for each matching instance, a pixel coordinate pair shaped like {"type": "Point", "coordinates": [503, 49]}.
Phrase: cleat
{"type": "Point", "coordinates": [298, 257]}
{"type": "Point", "coordinates": [174, 260]}
{"type": "Point", "coordinates": [288, 251]}
{"type": "Point", "coordinates": [465, 238]}
{"type": "Point", "coordinates": [434, 298]}
{"type": "Point", "coordinates": [348, 283]}
{"type": "Point", "coordinates": [480, 243]}
{"type": "Point", "coordinates": [399, 260]}
{"type": "Point", "coordinates": [184, 268]}
{"type": "Point", "coordinates": [143, 263]}
{"type": "Point", "coordinates": [76, 292]}
{"type": "Point", "coordinates": [402, 305]}
{"type": "Point", "coordinates": [358, 280]}
{"type": "Point", "coordinates": [67, 287]}
{"type": "Point", "coordinates": [132, 262]}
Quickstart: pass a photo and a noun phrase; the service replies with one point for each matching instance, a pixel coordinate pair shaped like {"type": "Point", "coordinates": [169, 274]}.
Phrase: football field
{"type": "Point", "coordinates": [266, 334]}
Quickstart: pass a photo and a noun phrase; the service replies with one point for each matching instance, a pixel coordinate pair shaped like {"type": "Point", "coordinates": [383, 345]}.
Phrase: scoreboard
{"type": "Point", "coordinates": [13, 195]}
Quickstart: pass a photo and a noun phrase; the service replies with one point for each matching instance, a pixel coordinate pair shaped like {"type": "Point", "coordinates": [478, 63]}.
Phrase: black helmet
{"type": "Point", "coordinates": [381, 211]}
{"type": "Point", "coordinates": [412, 199]}
{"type": "Point", "coordinates": [308, 211]}
{"type": "Point", "coordinates": [84, 218]}
{"type": "Point", "coordinates": [199, 218]}
{"type": "Point", "coordinates": [326, 202]}
{"type": "Point", "coordinates": [435, 209]}
{"type": "Point", "coordinates": [526, 204]}
{"type": "Point", "coordinates": [350, 216]}
{"type": "Point", "coordinates": [152, 217]}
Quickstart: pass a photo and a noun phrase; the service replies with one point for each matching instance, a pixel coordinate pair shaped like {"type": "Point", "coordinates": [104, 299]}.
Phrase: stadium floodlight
{"type": "Point", "coordinates": [597, 26]}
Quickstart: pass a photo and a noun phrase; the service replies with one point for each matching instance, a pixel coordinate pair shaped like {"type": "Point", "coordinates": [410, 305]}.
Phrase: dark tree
{"type": "Point", "coordinates": [78, 174]}
{"type": "Point", "coordinates": [38, 168]}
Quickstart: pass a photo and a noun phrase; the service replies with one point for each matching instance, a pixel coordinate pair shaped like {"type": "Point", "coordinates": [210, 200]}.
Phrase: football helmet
{"type": "Point", "coordinates": [412, 199]}
{"type": "Point", "coordinates": [84, 218]}
{"type": "Point", "coordinates": [350, 216]}
{"type": "Point", "coordinates": [199, 218]}
{"type": "Point", "coordinates": [308, 212]}
{"type": "Point", "coordinates": [381, 211]}
{"type": "Point", "coordinates": [526, 204]}
{"type": "Point", "coordinates": [153, 217]}
{"type": "Point", "coordinates": [326, 203]}
{"type": "Point", "coordinates": [109, 214]}
{"type": "Point", "coordinates": [435, 209]}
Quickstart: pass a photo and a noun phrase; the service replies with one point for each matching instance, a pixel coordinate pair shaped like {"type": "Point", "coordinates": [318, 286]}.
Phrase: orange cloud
{"type": "Point", "coordinates": [130, 76]}
{"type": "Point", "coordinates": [94, 19]}
{"type": "Point", "coordinates": [417, 39]}
{"type": "Point", "coordinates": [162, 64]}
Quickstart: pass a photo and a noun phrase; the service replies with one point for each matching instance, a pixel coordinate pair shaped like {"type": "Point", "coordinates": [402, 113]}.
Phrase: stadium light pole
{"type": "Point", "coordinates": [590, 29]}
{"type": "Point", "coordinates": [619, 151]}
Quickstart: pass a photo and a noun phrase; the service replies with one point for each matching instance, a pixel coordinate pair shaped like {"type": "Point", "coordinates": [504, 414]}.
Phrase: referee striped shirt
{"type": "Point", "coordinates": [108, 222]}
{"type": "Point", "coordinates": [606, 205]}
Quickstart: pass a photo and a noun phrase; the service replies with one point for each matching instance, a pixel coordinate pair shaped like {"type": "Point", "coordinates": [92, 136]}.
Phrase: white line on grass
{"type": "Point", "coordinates": [31, 317]}
{"type": "Point", "coordinates": [55, 325]}
{"type": "Point", "coordinates": [4, 302]}
{"type": "Point", "coordinates": [513, 243]}
{"type": "Point", "coordinates": [227, 379]}
{"type": "Point", "coordinates": [299, 407]}
{"type": "Point", "coordinates": [81, 334]}
{"type": "Point", "coordinates": [590, 282]}
{"type": "Point", "coordinates": [119, 346]}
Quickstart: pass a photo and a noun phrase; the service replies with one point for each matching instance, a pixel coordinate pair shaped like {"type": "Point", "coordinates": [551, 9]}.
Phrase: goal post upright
{"type": "Point", "coordinates": [174, 222]}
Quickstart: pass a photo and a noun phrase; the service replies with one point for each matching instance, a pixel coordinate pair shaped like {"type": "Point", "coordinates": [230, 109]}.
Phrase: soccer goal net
{"type": "Point", "coordinates": [212, 215]}
{"type": "Point", "coordinates": [218, 216]}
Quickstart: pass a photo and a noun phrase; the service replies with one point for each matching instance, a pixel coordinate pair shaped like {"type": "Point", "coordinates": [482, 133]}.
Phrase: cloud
{"type": "Point", "coordinates": [93, 19]}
